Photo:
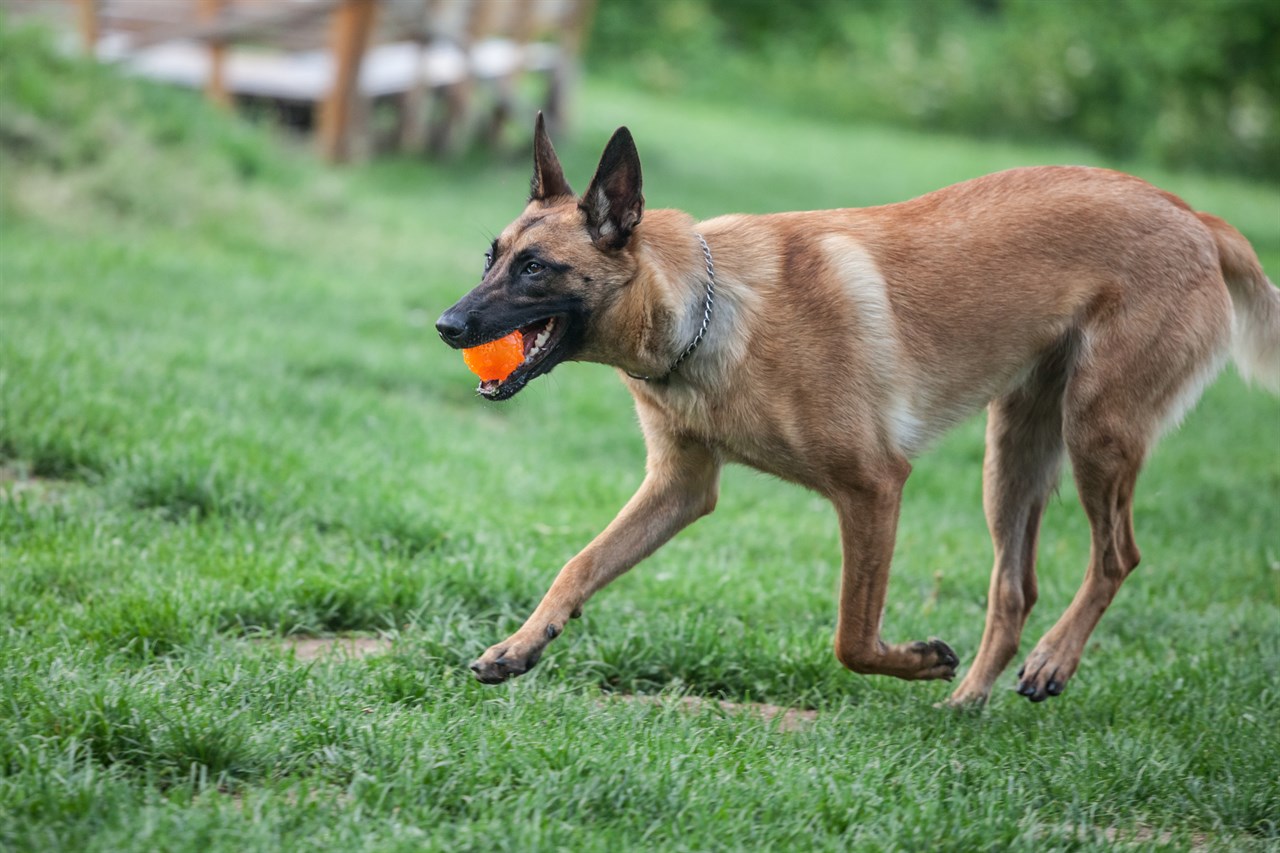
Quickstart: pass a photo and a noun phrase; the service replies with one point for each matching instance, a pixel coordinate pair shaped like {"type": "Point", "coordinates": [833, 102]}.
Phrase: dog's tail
{"type": "Point", "coordinates": [1256, 344]}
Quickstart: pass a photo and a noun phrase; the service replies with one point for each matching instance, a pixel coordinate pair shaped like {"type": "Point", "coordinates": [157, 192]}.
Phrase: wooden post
{"type": "Point", "coordinates": [215, 87]}
{"type": "Point", "coordinates": [521, 29]}
{"type": "Point", "coordinates": [413, 117]}
{"type": "Point", "coordinates": [352, 23]}
{"type": "Point", "coordinates": [451, 134]}
{"type": "Point", "coordinates": [574, 31]}
{"type": "Point", "coordinates": [87, 14]}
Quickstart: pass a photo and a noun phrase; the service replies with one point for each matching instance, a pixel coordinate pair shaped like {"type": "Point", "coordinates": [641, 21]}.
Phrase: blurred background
{"type": "Point", "coordinates": [1177, 83]}
{"type": "Point", "coordinates": [1185, 83]}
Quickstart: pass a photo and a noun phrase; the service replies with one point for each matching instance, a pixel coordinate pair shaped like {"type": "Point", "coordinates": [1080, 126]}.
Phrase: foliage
{"type": "Point", "coordinates": [224, 419]}
{"type": "Point", "coordinates": [1187, 83]}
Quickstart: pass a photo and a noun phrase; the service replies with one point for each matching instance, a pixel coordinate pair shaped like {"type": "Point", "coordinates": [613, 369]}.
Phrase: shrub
{"type": "Point", "coordinates": [1184, 83]}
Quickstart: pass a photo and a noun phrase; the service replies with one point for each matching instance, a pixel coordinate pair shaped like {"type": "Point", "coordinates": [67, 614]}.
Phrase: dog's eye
{"type": "Point", "coordinates": [488, 261]}
{"type": "Point", "coordinates": [533, 268]}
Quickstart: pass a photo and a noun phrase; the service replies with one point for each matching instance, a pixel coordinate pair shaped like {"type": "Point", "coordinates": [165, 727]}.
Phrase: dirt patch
{"type": "Point", "coordinates": [1139, 836]}
{"type": "Point", "coordinates": [787, 719]}
{"type": "Point", "coordinates": [343, 648]}
{"type": "Point", "coordinates": [18, 481]}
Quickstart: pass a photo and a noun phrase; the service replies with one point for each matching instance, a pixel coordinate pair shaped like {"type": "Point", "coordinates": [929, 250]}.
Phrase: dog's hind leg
{"type": "Point", "coordinates": [868, 505]}
{"type": "Point", "coordinates": [1139, 371]}
{"type": "Point", "coordinates": [1105, 460]}
{"type": "Point", "coordinates": [1021, 470]}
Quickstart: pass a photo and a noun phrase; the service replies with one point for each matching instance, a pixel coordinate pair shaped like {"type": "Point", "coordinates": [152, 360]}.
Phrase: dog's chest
{"type": "Point", "coordinates": [740, 428]}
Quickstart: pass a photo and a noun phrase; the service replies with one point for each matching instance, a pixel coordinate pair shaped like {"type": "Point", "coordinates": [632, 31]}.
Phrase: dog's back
{"type": "Point", "coordinates": [934, 306]}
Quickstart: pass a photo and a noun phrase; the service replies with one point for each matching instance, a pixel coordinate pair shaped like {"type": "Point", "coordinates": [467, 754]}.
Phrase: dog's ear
{"type": "Point", "coordinates": [613, 203]}
{"type": "Point", "coordinates": [548, 178]}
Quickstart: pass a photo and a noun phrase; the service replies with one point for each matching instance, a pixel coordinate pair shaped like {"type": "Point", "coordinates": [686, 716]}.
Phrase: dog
{"type": "Point", "coordinates": [1084, 308]}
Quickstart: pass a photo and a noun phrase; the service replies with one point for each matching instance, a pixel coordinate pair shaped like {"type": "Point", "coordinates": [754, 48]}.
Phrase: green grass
{"type": "Point", "coordinates": [224, 417]}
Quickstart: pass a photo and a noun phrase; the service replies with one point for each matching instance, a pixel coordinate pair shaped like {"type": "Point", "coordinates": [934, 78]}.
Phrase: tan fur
{"type": "Point", "coordinates": [1083, 307]}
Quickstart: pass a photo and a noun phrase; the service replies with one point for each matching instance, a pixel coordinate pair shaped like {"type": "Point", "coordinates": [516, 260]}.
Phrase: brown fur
{"type": "Point", "coordinates": [1085, 308]}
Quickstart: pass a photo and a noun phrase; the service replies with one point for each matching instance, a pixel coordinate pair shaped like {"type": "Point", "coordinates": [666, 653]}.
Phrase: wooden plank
{"type": "Point", "coordinates": [352, 23]}
{"type": "Point", "coordinates": [386, 70]}
{"type": "Point", "coordinates": [237, 27]}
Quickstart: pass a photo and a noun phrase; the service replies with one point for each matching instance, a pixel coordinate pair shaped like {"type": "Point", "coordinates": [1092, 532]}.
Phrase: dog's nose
{"type": "Point", "coordinates": [452, 325]}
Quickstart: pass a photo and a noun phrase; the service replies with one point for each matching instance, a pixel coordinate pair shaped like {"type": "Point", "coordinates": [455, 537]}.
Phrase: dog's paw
{"type": "Point", "coordinates": [1044, 675]}
{"type": "Point", "coordinates": [938, 660]}
{"type": "Point", "coordinates": [505, 660]}
{"type": "Point", "coordinates": [965, 699]}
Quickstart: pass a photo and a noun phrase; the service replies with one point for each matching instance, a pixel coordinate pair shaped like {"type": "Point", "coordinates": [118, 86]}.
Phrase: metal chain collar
{"type": "Point", "coordinates": [706, 318]}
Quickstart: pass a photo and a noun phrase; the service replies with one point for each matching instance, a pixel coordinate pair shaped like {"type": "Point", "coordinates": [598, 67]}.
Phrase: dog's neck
{"type": "Point", "coordinates": [673, 296]}
{"type": "Point", "coordinates": [708, 305]}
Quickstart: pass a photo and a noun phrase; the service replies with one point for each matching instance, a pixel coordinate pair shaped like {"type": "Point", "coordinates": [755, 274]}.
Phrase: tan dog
{"type": "Point", "coordinates": [1085, 308]}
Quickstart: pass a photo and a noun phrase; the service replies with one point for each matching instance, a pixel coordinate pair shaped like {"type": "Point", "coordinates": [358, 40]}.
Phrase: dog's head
{"type": "Point", "coordinates": [556, 267]}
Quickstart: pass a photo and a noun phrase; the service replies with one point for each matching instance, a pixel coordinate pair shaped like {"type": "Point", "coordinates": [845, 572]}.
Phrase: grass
{"type": "Point", "coordinates": [225, 418]}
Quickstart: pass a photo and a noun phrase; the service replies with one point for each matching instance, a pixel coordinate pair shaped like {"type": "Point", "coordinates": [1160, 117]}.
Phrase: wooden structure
{"type": "Point", "coordinates": [330, 61]}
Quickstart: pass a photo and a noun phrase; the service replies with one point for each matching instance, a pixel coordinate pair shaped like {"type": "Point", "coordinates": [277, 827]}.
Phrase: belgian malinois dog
{"type": "Point", "coordinates": [1086, 309]}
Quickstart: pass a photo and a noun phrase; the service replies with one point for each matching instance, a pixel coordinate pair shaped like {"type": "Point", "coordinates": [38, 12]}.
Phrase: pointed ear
{"type": "Point", "coordinates": [613, 203]}
{"type": "Point", "coordinates": [548, 178]}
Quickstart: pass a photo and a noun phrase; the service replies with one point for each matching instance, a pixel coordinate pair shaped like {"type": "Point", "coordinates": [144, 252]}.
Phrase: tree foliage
{"type": "Point", "coordinates": [1187, 83]}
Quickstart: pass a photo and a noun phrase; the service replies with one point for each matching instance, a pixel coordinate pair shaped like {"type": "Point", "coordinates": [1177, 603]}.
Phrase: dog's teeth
{"type": "Point", "coordinates": [542, 338]}
{"type": "Point", "coordinates": [533, 350]}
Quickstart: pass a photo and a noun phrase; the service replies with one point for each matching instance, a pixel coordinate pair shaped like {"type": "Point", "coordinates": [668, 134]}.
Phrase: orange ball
{"type": "Point", "coordinates": [496, 359]}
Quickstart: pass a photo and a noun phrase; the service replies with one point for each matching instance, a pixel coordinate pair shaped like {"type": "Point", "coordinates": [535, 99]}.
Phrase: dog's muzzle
{"type": "Point", "coordinates": [452, 327]}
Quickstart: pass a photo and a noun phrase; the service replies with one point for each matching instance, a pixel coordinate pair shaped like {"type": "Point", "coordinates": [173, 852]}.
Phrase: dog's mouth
{"type": "Point", "coordinates": [543, 350]}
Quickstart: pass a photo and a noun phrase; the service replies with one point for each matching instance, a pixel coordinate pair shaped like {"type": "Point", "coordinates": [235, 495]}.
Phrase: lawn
{"type": "Point", "coordinates": [226, 420]}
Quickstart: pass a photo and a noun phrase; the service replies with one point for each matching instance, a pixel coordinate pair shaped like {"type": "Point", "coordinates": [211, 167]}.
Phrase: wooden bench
{"type": "Point", "coordinates": [331, 61]}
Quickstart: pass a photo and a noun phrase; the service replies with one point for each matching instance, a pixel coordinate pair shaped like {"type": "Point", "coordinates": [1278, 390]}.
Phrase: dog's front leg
{"type": "Point", "coordinates": [868, 509]}
{"type": "Point", "coordinates": [681, 486]}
